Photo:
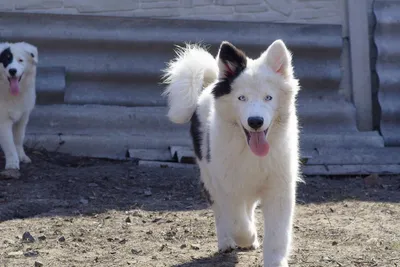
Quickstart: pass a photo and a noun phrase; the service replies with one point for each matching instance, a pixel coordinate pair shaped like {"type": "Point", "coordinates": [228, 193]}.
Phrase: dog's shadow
{"type": "Point", "coordinates": [218, 260]}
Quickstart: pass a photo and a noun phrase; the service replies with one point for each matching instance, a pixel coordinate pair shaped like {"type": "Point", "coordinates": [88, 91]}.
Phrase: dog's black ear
{"type": "Point", "coordinates": [231, 61]}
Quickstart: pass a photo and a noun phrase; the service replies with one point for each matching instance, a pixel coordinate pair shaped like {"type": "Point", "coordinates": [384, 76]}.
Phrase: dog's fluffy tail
{"type": "Point", "coordinates": [193, 69]}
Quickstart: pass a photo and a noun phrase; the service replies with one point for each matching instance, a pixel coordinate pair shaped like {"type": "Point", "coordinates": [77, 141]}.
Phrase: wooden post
{"type": "Point", "coordinates": [357, 24]}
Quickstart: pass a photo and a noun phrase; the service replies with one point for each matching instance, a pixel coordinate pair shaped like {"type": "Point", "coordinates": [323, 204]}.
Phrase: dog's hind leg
{"type": "Point", "coordinates": [19, 136]}
{"type": "Point", "coordinates": [8, 146]}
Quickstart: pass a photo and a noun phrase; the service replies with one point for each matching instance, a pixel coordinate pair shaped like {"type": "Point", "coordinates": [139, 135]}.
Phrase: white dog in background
{"type": "Point", "coordinates": [17, 98]}
{"type": "Point", "coordinates": [245, 136]}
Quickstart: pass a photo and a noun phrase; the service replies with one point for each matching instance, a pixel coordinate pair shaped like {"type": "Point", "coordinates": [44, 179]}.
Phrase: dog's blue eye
{"type": "Point", "coordinates": [242, 98]}
{"type": "Point", "coordinates": [268, 98]}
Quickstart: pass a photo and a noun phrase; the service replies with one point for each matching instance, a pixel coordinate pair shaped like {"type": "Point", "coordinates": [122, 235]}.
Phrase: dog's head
{"type": "Point", "coordinates": [254, 93]}
{"type": "Point", "coordinates": [17, 61]}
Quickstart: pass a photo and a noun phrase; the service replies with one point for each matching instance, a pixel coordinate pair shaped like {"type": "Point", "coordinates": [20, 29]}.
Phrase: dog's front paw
{"type": "Point", "coordinates": [254, 246]}
{"type": "Point", "coordinates": [282, 263]}
{"type": "Point", "coordinates": [12, 164]}
{"type": "Point", "coordinates": [25, 159]}
{"type": "Point", "coordinates": [226, 246]}
{"type": "Point", "coordinates": [227, 249]}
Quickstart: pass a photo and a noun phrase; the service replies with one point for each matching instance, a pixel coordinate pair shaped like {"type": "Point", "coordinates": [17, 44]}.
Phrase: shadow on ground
{"type": "Point", "coordinates": [222, 260]}
{"type": "Point", "coordinates": [57, 184]}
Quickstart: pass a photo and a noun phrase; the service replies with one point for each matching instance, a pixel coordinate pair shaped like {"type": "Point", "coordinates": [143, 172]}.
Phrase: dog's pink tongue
{"type": "Point", "coordinates": [258, 143]}
{"type": "Point", "coordinates": [14, 86]}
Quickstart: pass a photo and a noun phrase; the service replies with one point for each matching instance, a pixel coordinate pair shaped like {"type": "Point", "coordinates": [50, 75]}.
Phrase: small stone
{"type": "Point", "coordinates": [61, 239]}
{"type": "Point", "coordinates": [372, 180]}
{"type": "Point", "coordinates": [195, 246]}
{"type": "Point", "coordinates": [154, 258]}
{"type": "Point", "coordinates": [334, 243]}
{"type": "Point", "coordinates": [137, 214]}
{"type": "Point", "coordinates": [15, 254]}
{"type": "Point", "coordinates": [135, 251]}
{"type": "Point", "coordinates": [183, 246]}
{"type": "Point", "coordinates": [147, 192]}
{"type": "Point", "coordinates": [38, 264]}
{"type": "Point", "coordinates": [42, 238]}
{"type": "Point", "coordinates": [31, 253]}
{"type": "Point", "coordinates": [8, 242]}
{"type": "Point", "coordinates": [385, 186]}
{"type": "Point", "coordinates": [149, 232]}
{"type": "Point", "coordinates": [123, 241]}
{"type": "Point", "coordinates": [163, 247]}
{"type": "Point", "coordinates": [84, 201]}
{"type": "Point", "coordinates": [28, 238]}
{"type": "Point", "coordinates": [156, 220]}
{"type": "Point", "coordinates": [128, 220]}
{"type": "Point", "coordinates": [10, 174]}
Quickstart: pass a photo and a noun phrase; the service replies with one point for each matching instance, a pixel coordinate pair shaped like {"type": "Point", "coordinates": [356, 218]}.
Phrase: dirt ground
{"type": "Point", "coordinates": [86, 212]}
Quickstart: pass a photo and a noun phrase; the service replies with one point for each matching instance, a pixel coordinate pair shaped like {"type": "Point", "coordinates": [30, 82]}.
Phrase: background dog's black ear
{"type": "Point", "coordinates": [231, 61]}
{"type": "Point", "coordinates": [4, 46]}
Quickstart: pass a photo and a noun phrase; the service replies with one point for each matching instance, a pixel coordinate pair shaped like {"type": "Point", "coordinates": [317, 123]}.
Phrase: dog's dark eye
{"type": "Point", "coordinates": [268, 98]}
{"type": "Point", "coordinates": [20, 60]}
{"type": "Point", "coordinates": [242, 98]}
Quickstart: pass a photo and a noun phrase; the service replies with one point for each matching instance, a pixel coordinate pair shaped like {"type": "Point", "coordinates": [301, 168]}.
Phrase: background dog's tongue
{"type": "Point", "coordinates": [14, 86]}
{"type": "Point", "coordinates": [258, 144]}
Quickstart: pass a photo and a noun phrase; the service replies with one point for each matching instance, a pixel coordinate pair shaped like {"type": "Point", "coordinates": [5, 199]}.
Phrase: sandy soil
{"type": "Point", "coordinates": [66, 211]}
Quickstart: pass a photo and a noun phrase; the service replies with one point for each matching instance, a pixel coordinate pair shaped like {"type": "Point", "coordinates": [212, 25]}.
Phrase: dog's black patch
{"type": "Point", "coordinates": [208, 155]}
{"type": "Point", "coordinates": [6, 57]}
{"type": "Point", "coordinates": [196, 133]}
{"type": "Point", "coordinates": [206, 194]}
{"type": "Point", "coordinates": [235, 61]}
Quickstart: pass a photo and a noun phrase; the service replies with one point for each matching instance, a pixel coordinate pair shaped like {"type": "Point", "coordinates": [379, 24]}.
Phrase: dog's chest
{"type": "Point", "coordinates": [15, 115]}
{"type": "Point", "coordinates": [240, 173]}
{"type": "Point", "coordinates": [15, 108]}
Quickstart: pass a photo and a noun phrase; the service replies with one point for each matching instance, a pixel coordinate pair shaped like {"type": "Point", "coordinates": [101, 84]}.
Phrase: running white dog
{"type": "Point", "coordinates": [245, 136]}
{"type": "Point", "coordinates": [17, 98]}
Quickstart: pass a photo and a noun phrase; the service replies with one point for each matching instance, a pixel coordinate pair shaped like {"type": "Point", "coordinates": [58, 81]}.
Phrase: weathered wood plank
{"type": "Point", "coordinates": [150, 154]}
{"type": "Point", "coordinates": [163, 164]}
{"type": "Point", "coordinates": [183, 154]}
{"type": "Point", "coordinates": [356, 156]}
{"type": "Point", "coordinates": [350, 169]}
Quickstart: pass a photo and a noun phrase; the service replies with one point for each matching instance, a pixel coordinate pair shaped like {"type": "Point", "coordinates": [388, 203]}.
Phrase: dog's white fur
{"type": "Point", "coordinates": [236, 179]}
{"type": "Point", "coordinates": [15, 110]}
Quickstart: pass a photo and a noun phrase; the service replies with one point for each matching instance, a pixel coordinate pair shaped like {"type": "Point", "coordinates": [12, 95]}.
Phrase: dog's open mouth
{"type": "Point", "coordinates": [14, 84]}
{"type": "Point", "coordinates": [257, 142]}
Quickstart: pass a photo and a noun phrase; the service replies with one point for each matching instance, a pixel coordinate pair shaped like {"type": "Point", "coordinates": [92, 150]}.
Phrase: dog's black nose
{"type": "Point", "coordinates": [255, 122]}
{"type": "Point", "coordinates": [12, 72]}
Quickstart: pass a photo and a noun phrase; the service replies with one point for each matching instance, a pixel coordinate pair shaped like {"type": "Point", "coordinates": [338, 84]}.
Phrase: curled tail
{"type": "Point", "coordinates": [193, 69]}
